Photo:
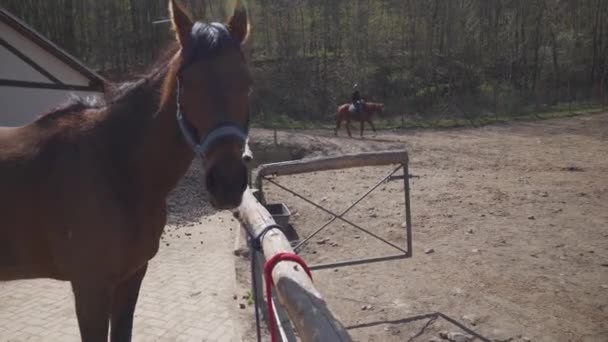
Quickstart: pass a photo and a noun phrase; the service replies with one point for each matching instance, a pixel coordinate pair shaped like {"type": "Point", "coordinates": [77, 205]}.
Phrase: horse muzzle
{"type": "Point", "coordinates": [221, 152]}
{"type": "Point", "coordinates": [226, 180]}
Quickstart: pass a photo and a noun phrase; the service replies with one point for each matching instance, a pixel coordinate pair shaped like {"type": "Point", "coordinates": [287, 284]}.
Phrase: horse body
{"type": "Point", "coordinates": [365, 115]}
{"type": "Point", "coordinates": [76, 206]}
{"type": "Point", "coordinates": [52, 191]}
{"type": "Point", "coordinates": [84, 187]}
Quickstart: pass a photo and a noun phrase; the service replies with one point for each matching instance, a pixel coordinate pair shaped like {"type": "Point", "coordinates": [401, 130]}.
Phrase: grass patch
{"type": "Point", "coordinates": [284, 122]}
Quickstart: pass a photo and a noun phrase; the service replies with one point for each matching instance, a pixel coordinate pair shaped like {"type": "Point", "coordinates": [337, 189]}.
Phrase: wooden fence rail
{"type": "Point", "coordinates": [304, 304]}
{"type": "Point", "coordinates": [333, 163]}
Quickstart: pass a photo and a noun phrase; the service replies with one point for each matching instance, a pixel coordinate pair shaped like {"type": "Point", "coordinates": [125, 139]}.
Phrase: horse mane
{"type": "Point", "coordinates": [74, 103]}
{"type": "Point", "coordinates": [125, 100]}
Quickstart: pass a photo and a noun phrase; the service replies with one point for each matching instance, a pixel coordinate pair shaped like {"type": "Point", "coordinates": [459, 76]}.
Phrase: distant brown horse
{"type": "Point", "coordinates": [83, 188]}
{"type": "Point", "coordinates": [367, 110]}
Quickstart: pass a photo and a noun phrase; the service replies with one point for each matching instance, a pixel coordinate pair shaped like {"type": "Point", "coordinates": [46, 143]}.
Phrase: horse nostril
{"type": "Point", "coordinates": [228, 178]}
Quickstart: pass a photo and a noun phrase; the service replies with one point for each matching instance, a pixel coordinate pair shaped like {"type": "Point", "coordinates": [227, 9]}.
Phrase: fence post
{"type": "Point", "coordinates": [602, 92]}
{"type": "Point", "coordinates": [248, 158]}
{"type": "Point", "coordinates": [495, 98]}
{"type": "Point", "coordinates": [569, 99]}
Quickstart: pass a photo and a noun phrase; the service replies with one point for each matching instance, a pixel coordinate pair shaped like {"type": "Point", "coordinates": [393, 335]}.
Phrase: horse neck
{"type": "Point", "coordinates": [163, 156]}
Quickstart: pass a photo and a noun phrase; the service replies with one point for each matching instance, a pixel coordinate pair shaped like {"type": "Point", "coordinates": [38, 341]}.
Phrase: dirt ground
{"type": "Point", "coordinates": [510, 231]}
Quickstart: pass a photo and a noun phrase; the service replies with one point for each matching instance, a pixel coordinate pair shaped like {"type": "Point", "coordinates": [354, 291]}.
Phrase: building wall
{"type": "Point", "coordinates": [13, 68]}
{"type": "Point", "coordinates": [20, 105]}
{"type": "Point", "coordinates": [40, 56]}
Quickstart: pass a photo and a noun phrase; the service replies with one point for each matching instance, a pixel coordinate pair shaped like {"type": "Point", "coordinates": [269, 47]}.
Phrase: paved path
{"type": "Point", "coordinates": [186, 295]}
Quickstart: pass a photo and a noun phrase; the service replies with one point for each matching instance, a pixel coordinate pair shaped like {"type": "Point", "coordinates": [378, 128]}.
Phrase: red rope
{"type": "Point", "coordinates": [268, 267]}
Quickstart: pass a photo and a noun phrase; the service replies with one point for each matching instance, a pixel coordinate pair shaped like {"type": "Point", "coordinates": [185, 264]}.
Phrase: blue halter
{"type": "Point", "coordinates": [223, 129]}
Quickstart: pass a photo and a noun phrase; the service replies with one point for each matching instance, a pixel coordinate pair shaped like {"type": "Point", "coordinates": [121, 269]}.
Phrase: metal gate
{"type": "Point", "coordinates": [268, 173]}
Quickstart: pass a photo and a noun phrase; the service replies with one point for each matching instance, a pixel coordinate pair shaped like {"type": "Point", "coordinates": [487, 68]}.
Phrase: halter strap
{"type": "Point", "coordinates": [223, 129]}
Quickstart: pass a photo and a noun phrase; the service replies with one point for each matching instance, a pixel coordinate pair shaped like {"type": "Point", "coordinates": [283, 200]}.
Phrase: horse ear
{"type": "Point", "coordinates": [238, 24]}
{"type": "Point", "coordinates": [181, 22]}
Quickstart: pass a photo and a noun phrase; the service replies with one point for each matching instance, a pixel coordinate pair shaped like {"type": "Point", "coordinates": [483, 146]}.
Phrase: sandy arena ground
{"type": "Point", "coordinates": [510, 230]}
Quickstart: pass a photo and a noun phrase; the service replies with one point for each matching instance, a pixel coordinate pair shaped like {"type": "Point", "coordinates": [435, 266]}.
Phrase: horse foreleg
{"type": "Point", "coordinates": [338, 123]}
{"type": "Point", "coordinates": [124, 299]}
{"type": "Point", "coordinates": [92, 309]}
{"type": "Point", "coordinates": [348, 128]}
{"type": "Point", "coordinates": [372, 124]}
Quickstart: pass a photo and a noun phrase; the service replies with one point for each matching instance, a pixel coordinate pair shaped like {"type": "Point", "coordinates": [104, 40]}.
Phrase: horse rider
{"type": "Point", "coordinates": [357, 99]}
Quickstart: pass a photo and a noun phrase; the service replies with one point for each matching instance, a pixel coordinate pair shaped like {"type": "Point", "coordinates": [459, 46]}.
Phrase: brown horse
{"type": "Point", "coordinates": [368, 109]}
{"type": "Point", "coordinates": [83, 188]}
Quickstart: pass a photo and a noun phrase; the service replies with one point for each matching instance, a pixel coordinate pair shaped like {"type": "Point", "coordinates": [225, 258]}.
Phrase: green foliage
{"type": "Point", "coordinates": [480, 59]}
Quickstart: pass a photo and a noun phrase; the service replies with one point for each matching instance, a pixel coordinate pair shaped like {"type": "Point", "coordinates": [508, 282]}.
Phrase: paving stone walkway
{"type": "Point", "coordinates": [186, 295]}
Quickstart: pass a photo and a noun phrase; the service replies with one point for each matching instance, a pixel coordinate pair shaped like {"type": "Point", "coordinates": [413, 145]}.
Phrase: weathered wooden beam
{"type": "Point", "coordinates": [305, 306]}
{"type": "Point", "coordinates": [333, 163]}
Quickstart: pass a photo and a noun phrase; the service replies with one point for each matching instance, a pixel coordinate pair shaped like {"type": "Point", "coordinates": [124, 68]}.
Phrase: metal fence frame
{"type": "Point", "coordinates": [400, 157]}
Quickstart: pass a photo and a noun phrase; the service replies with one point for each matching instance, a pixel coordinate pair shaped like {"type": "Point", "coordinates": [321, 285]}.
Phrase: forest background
{"type": "Point", "coordinates": [432, 62]}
